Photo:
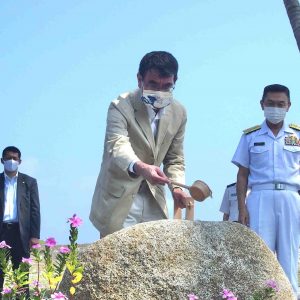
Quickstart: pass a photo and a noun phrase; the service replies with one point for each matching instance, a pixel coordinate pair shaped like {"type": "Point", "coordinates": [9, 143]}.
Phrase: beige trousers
{"type": "Point", "coordinates": [144, 208]}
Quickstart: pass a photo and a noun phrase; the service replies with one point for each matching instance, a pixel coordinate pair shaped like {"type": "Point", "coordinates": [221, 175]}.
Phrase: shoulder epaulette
{"type": "Point", "coordinates": [295, 126]}
{"type": "Point", "coordinates": [252, 129]}
{"type": "Point", "coordinates": [229, 185]}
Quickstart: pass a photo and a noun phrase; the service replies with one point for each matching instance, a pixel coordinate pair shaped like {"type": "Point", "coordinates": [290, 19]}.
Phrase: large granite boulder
{"type": "Point", "coordinates": [170, 259]}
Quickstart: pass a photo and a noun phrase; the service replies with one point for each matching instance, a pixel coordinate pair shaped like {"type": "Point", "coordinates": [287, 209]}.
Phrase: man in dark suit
{"type": "Point", "coordinates": [19, 208]}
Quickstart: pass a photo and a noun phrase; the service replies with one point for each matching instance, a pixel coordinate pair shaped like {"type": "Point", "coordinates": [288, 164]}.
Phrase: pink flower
{"type": "Point", "coordinates": [36, 246]}
{"type": "Point", "coordinates": [192, 296]}
{"type": "Point", "coordinates": [6, 291]}
{"type": "Point", "coordinates": [4, 245]}
{"type": "Point", "coordinates": [272, 284]}
{"type": "Point", "coordinates": [58, 296]}
{"type": "Point", "coordinates": [64, 250]}
{"type": "Point", "coordinates": [227, 294]}
{"type": "Point", "coordinates": [27, 260]}
{"type": "Point", "coordinates": [36, 283]}
{"type": "Point", "coordinates": [75, 221]}
{"type": "Point", "coordinates": [50, 242]}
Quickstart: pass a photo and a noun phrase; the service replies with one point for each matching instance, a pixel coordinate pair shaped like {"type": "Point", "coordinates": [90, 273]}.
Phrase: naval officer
{"type": "Point", "coordinates": [229, 205]}
{"type": "Point", "coordinates": [268, 159]}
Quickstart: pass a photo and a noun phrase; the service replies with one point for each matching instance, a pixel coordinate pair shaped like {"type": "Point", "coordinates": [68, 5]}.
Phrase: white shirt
{"type": "Point", "coordinates": [229, 203]}
{"type": "Point", "coordinates": [142, 200]}
{"type": "Point", "coordinates": [270, 159]}
{"type": "Point", "coordinates": [10, 199]}
{"type": "Point", "coordinates": [153, 119]}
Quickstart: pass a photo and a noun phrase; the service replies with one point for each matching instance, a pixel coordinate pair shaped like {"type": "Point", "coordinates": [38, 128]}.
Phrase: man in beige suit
{"type": "Point", "coordinates": [145, 129]}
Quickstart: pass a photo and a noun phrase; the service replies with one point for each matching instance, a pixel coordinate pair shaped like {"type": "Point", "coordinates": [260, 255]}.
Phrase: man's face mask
{"type": "Point", "coordinates": [274, 114]}
{"type": "Point", "coordinates": [157, 99]}
{"type": "Point", "coordinates": [11, 165]}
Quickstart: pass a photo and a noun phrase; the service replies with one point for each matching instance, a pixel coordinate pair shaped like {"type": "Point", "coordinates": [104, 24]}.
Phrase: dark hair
{"type": "Point", "coordinates": [11, 149]}
{"type": "Point", "coordinates": [276, 88]}
{"type": "Point", "coordinates": [164, 62]}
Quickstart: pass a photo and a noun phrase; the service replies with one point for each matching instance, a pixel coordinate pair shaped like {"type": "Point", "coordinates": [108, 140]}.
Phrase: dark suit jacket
{"type": "Point", "coordinates": [28, 207]}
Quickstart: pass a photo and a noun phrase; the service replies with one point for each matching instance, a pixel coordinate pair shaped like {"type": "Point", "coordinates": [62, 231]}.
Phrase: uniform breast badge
{"type": "Point", "coordinates": [291, 140]}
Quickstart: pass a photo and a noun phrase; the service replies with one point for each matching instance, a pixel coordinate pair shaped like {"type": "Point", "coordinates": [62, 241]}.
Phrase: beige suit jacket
{"type": "Point", "coordinates": [129, 137]}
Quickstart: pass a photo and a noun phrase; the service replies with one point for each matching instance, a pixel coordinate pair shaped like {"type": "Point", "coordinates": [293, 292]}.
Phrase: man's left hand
{"type": "Point", "coordinates": [181, 197]}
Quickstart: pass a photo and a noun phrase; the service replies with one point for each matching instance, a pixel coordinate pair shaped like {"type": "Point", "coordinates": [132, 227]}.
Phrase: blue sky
{"type": "Point", "coordinates": [62, 62]}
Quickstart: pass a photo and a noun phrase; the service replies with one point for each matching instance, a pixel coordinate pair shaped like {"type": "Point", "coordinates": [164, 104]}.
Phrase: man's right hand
{"type": "Point", "coordinates": [151, 173]}
{"type": "Point", "coordinates": [244, 216]}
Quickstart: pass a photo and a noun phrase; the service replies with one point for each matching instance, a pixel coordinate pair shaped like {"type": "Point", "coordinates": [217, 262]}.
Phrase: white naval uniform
{"type": "Point", "coordinates": [229, 203]}
{"type": "Point", "coordinates": [274, 179]}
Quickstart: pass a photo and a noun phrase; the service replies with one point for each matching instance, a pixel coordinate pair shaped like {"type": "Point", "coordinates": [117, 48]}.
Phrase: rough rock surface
{"type": "Point", "coordinates": [170, 259]}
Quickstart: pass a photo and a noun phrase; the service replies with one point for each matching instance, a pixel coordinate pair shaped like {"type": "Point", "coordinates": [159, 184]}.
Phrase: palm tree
{"type": "Point", "coordinates": [293, 11]}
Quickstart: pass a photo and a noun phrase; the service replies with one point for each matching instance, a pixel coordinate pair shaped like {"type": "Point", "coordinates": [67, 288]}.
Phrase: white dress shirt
{"type": "Point", "coordinates": [229, 203]}
{"type": "Point", "coordinates": [143, 208]}
{"type": "Point", "coordinates": [153, 119]}
{"type": "Point", "coordinates": [270, 158]}
{"type": "Point", "coordinates": [10, 199]}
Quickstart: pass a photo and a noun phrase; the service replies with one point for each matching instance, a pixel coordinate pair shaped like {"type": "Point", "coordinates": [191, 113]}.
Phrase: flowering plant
{"type": "Point", "coordinates": [17, 281]}
{"type": "Point", "coordinates": [267, 292]}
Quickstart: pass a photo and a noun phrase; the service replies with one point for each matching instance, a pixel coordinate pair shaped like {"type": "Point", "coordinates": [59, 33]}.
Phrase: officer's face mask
{"type": "Point", "coordinates": [157, 99]}
{"type": "Point", "coordinates": [11, 165]}
{"type": "Point", "coordinates": [274, 114]}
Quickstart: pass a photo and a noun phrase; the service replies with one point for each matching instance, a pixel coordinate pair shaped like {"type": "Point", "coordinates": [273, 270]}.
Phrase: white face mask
{"type": "Point", "coordinates": [11, 165]}
{"type": "Point", "coordinates": [157, 99]}
{"type": "Point", "coordinates": [274, 114]}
